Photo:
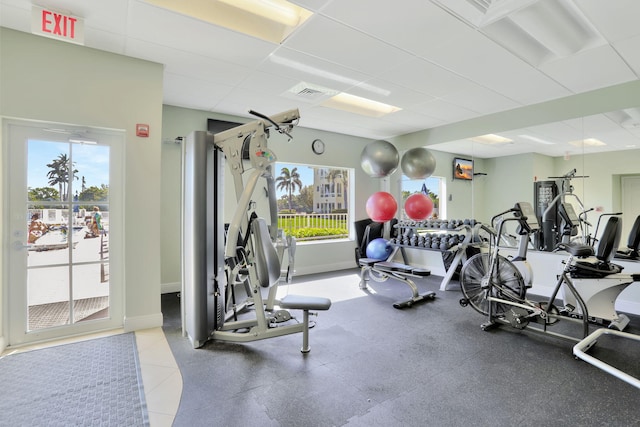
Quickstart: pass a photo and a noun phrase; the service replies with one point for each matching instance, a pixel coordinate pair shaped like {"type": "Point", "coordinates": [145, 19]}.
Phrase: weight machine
{"type": "Point", "coordinates": [250, 253]}
{"type": "Point", "coordinates": [558, 219]}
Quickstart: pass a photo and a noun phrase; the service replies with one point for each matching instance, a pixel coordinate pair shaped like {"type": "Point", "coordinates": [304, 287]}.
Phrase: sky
{"type": "Point", "coordinates": [91, 161]}
{"type": "Point", "coordinates": [415, 185]}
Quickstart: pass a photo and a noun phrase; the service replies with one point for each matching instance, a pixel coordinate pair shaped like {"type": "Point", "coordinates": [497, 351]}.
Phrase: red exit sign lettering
{"type": "Point", "coordinates": [57, 25]}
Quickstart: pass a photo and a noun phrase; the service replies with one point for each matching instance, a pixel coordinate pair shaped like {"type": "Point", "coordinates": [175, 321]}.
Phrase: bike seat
{"type": "Point", "coordinates": [578, 250]}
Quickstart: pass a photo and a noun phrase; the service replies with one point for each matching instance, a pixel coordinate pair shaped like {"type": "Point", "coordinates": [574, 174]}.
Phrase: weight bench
{"type": "Point", "coordinates": [380, 271]}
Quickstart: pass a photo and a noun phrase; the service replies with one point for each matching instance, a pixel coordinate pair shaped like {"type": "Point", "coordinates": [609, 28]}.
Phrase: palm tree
{"type": "Point", "coordinates": [59, 174]}
{"type": "Point", "coordinates": [289, 180]}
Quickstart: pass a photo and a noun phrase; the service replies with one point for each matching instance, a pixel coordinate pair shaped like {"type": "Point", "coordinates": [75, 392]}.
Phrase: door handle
{"type": "Point", "coordinates": [18, 245]}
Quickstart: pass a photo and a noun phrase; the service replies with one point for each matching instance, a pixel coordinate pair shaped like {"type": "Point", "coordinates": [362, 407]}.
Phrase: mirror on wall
{"type": "Point", "coordinates": [584, 160]}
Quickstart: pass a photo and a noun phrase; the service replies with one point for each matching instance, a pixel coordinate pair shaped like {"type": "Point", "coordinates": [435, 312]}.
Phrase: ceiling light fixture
{"type": "Point", "coordinates": [275, 10]}
{"type": "Point", "coordinates": [587, 142]}
{"type": "Point", "coordinates": [271, 20]}
{"type": "Point", "coordinates": [491, 139]}
{"type": "Point", "coordinates": [358, 105]}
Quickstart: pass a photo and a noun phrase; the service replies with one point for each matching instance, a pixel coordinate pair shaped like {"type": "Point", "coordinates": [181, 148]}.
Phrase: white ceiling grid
{"type": "Point", "coordinates": [441, 61]}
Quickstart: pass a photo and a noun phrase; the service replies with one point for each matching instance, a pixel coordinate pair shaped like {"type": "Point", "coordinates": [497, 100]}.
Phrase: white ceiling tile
{"type": "Point", "coordinates": [327, 39]}
{"type": "Point", "coordinates": [473, 56]}
{"type": "Point", "coordinates": [267, 83]}
{"type": "Point", "coordinates": [422, 22]}
{"type": "Point", "coordinates": [415, 120]}
{"type": "Point", "coordinates": [570, 72]}
{"type": "Point", "coordinates": [630, 50]}
{"type": "Point", "coordinates": [389, 93]}
{"type": "Point", "coordinates": [444, 111]}
{"type": "Point", "coordinates": [188, 92]}
{"type": "Point", "coordinates": [311, 69]}
{"type": "Point", "coordinates": [481, 100]}
{"type": "Point", "coordinates": [312, 5]}
{"type": "Point", "coordinates": [426, 77]}
{"type": "Point", "coordinates": [107, 41]}
{"type": "Point", "coordinates": [180, 62]}
{"type": "Point", "coordinates": [613, 26]}
{"type": "Point", "coordinates": [156, 25]}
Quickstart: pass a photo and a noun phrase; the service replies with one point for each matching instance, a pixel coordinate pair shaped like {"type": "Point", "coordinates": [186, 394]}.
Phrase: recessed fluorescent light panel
{"type": "Point", "coordinates": [491, 139]}
{"type": "Point", "coordinates": [270, 20]}
{"type": "Point", "coordinates": [363, 106]}
{"type": "Point", "coordinates": [587, 142]}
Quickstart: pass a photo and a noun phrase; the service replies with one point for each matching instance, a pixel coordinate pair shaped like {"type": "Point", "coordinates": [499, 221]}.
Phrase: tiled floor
{"type": "Point", "coordinates": [160, 374]}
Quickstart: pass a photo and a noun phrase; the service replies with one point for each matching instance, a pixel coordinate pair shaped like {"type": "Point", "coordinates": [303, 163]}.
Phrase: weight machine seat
{"type": "Point", "coordinates": [300, 302]}
{"type": "Point", "coordinates": [402, 268]}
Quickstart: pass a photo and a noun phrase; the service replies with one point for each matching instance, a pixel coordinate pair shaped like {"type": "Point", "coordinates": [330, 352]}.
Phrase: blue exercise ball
{"type": "Point", "coordinates": [379, 249]}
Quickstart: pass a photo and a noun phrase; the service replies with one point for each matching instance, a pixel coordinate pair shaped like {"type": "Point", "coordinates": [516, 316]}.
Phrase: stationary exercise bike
{"type": "Point", "coordinates": [495, 287]}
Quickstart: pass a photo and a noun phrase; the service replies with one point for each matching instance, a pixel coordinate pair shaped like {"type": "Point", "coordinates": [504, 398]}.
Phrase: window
{"type": "Point", "coordinates": [434, 187]}
{"type": "Point", "coordinates": [313, 200]}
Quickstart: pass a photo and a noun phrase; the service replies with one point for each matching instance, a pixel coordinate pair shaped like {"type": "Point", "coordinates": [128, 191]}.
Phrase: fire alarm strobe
{"type": "Point", "coordinates": [142, 130]}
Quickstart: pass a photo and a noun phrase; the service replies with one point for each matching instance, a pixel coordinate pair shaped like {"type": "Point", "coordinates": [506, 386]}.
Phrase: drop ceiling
{"type": "Point", "coordinates": [440, 61]}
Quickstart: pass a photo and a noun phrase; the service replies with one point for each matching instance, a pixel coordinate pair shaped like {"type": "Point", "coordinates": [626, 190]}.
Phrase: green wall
{"type": "Point", "coordinates": [48, 80]}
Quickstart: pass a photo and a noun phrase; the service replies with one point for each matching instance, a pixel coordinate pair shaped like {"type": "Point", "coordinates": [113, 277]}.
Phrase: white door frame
{"type": "Point", "coordinates": [16, 134]}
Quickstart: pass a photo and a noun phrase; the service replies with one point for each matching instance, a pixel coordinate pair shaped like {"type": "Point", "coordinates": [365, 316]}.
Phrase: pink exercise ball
{"type": "Point", "coordinates": [381, 206]}
{"type": "Point", "coordinates": [418, 206]}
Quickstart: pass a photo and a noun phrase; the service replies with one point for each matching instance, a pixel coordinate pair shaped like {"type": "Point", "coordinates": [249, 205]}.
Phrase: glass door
{"type": "Point", "coordinates": [65, 210]}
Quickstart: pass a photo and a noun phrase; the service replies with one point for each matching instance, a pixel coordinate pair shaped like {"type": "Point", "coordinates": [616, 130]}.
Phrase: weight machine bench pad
{"type": "Point", "coordinates": [300, 302]}
{"type": "Point", "coordinates": [397, 267]}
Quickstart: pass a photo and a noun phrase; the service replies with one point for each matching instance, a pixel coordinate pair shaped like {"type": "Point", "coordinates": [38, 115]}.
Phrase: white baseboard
{"type": "Point", "coordinates": [137, 323]}
{"type": "Point", "coordinates": [3, 344]}
{"type": "Point", "coordinates": [167, 288]}
{"type": "Point", "coordinates": [313, 269]}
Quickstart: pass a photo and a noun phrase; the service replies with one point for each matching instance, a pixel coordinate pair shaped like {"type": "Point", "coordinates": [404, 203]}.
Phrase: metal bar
{"type": "Point", "coordinates": [579, 350]}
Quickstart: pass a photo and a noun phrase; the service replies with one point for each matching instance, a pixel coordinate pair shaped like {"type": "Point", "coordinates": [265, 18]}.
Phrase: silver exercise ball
{"type": "Point", "coordinates": [379, 159]}
{"type": "Point", "coordinates": [418, 163]}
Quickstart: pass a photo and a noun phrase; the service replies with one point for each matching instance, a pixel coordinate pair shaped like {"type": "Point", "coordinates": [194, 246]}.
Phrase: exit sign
{"type": "Point", "coordinates": [57, 25]}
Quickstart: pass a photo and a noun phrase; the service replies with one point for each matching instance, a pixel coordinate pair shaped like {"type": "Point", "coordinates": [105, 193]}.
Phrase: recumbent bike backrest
{"type": "Point", "coordinates": [634, 236]}
{"type": "Point", "coordinates": [609, 240]}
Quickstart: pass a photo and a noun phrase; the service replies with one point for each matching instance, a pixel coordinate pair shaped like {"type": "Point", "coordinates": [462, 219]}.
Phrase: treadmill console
{"type": "Point", "coordinates": [525, 209]}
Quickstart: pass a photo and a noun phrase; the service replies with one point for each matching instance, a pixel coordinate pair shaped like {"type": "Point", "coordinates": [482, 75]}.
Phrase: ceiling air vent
{"type": "Point", "coordinates": [309, 92]}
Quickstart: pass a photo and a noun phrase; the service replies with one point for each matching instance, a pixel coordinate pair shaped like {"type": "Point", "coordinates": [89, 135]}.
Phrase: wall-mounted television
{"type": "Point", "coordinates": [462, 169]}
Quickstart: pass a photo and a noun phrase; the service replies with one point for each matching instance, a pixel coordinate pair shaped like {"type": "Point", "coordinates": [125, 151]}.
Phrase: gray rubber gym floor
{"type": "Point", "coordinates": [373, 365]}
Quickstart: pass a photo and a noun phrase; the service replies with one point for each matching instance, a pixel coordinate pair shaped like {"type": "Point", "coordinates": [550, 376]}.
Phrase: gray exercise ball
{"type": "Point", "coordinates": [418, 163]}
{"type": "Point", "coordinates": [379, 159]}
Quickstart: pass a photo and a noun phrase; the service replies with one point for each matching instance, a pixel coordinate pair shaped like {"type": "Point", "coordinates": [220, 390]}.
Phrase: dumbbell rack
{"type": "Point", "coordinates": [423, 235]}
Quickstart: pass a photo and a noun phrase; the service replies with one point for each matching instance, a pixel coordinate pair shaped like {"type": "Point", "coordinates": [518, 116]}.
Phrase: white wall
{"type": "Point", "coordinates": [44, 79]}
